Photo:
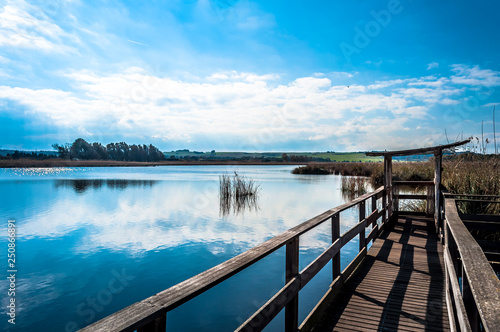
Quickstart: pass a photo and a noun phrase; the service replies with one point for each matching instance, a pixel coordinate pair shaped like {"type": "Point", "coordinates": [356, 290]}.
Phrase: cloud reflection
{"type": "Point", "coordinates": [153, 215]}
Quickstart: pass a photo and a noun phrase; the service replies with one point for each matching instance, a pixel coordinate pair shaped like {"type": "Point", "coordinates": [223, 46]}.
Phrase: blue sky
{"type": "Point", "coordinates": [248, 75]}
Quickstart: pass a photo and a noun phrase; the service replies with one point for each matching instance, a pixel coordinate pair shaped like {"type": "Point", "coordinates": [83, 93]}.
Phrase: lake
{"type": "Point", "coordinates": [91, 241]}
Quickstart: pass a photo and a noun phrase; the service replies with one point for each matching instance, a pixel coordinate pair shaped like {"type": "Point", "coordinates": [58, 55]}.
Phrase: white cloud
{"type": "Point", "coordinates": [25, 26]}
{"type": "Point", "coordinates": [475, 76]}
{"type": "Point", "coordinates": [385, 84]}
{"type": "Point", "coordinates": [432, 65]}
{"type": "Point", "coordinates": [430, 81]}
{"type": "Point", "coordinates": [228, 107]}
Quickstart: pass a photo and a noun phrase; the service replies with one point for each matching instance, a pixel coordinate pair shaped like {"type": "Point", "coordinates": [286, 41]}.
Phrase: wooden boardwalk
{"type": "Point", "coordinates": [400, 285]}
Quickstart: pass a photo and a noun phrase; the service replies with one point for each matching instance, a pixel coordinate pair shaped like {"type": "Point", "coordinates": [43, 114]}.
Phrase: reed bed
{"type": "Point", "coordinates": [462, 174]}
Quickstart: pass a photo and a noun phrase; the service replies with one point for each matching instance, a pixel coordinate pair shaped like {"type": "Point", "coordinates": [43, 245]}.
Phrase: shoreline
{"type": "Point", "coordinates": [33, 163]}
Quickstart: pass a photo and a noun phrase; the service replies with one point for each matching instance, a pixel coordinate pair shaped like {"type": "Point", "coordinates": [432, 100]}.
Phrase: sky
{"type": "Point", "coordinates": [229, 75]}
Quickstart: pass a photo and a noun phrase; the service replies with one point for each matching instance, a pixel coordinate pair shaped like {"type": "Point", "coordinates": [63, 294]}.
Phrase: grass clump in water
{"type": "Point", "coordinates": [353, 186]}
{"type": "Point", "coordinates": [237, 192]}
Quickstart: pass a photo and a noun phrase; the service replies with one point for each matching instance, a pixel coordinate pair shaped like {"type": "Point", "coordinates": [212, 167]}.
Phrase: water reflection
{"type": "Point", "coordinates": [237, 205]}
{"type": "Point", "coordinates": [69, 240]}
{"type": "Point", "coordinates": [82, 185]}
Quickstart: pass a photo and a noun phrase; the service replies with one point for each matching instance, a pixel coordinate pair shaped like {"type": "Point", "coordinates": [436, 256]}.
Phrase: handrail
{"type": "Point", "coordinates": [448, 195]}
{"type": "Point", "coordinates": [150, 314]}
{"type": "Point", "coordinates": [413, 183]}
{"type": "Point", "coordinates": [477, 301]}
{"type": "Point", "coordinates": [429, 196]}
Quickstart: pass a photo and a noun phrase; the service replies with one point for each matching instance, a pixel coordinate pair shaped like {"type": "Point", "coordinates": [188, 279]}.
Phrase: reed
{"type": "Point", "coordinates": [237, 193]}
{"type": "Point", "coordinates": [353, 186]}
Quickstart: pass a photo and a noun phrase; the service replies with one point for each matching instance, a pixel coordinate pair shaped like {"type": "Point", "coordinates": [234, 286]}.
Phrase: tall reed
{"type": "Point", "coordinates": [353, 186]}
{"type": "Point", "coordinates": [237, 192]}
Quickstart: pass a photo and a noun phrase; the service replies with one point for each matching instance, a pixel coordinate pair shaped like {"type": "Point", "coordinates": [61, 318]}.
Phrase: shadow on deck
{"type": "Point", "coordinates": [400, 286]}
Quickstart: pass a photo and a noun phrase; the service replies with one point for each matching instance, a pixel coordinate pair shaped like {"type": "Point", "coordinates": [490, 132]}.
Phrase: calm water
{"type": "Point", "coordinates": [92, 241]}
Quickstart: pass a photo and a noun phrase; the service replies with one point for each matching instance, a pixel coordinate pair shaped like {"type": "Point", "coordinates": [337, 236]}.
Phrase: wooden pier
{"type": "Point", "coordinates": [399, 287]}
{"type": "Point", "coordinates": [422, 272]}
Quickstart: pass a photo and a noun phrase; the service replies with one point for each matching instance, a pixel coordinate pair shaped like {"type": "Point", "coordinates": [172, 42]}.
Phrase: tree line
{"type": "Point", "coordinates": [81, 149]}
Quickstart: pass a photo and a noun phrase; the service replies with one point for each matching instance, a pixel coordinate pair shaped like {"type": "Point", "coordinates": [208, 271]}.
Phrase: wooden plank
{"type": "Point", "coordinates": [335, 237]}
{"type": "Point", "coordinates": [449, 195]}
{"type": "Point", "coordinates": [408, 196]}
{"type": "Point", "coordinates": [318, 310]}
{"type": "Point", "coordinates": [451, 313]}
{"type": "Point", "coordinates": [354, 264]}
{"type": "Point", "coordinates": [388, 183]}
{"type": "Point", "coordinates": [430, 202]}
{"type": "Point", "coordinates": [372, 235]}
{"type": "Point", "coordinates": [455, 290]}
{"type": "Point", "coordinates": [437, 187]}
{"type": "Point", "coordinates": [476, 201]}
{"type": "Point", "coordinates": [350, 234]}
{"type": "Point", "coordinates": [484, 284]}
{"type": "Point", "coordinates": [372, 218]}
{"type": "Point", "coordinates": [158, 325]}
{"type": "Point", "coordinates": [316, 265]}
{"type": "Point", "coordinates": [384, 208]}
{"type": "Point", "coordinates": [411, 152]}
{"type": "Point", "coordinates": [128, 319]}
{"type": "Point", "coordinates": [271, 308]}
{"type": "Point", "coordinates": [362, 232]}
{"type": "Point", "coordinates": [374, 203]}
{"type": "Point", "coordinates": [291, 271]}
{"type": "Point", "coordinates": [414, 183]}
{"type": "Point", "coordinates": [398, 283]}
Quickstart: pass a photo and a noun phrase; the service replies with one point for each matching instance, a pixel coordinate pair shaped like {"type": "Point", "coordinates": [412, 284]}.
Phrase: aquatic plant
{"type": "Point", "coordinates": [353, 186]}
{"type": "Point", "coordinates": [237, 193]}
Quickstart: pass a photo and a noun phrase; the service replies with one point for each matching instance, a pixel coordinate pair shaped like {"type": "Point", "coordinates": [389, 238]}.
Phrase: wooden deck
{"type": "Point", "coordinates": [400, 285]}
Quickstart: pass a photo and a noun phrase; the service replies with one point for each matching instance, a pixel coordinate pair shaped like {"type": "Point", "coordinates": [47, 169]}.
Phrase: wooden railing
{"type": "Point", "coordinates": [150, 314]}
{"type": "Point", "coordinates": [429, 196]}
{"type": "Point", "coordinates": [472, 287]}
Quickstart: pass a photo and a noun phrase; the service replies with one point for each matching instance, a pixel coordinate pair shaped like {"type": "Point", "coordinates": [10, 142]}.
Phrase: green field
{"type": "Point", "coordinates": [329, 156]}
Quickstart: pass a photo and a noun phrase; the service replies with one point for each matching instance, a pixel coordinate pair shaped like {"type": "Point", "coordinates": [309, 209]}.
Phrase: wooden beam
{"type": "Point", "coordinates": [455, 291]}
{"type": "Point", "coordinates": [271, 308]}
{"type": "Point", "coordinates": [292, 270]}
{"type": "Point", "coordinates": [411, 196]}
{"type": "Point", "coordinates": [482, 280]}
{"type": "Point", "coordinates": [362, 232]}
{"type": "Point", "coordinates": [430, 205]}
{"type": "Point", "coordinates": [335, 237]}
{"type": "Point", "coordinates": [437, 188]}
{"type": "Point", "coordinates": [411, 152]}
{"type": "Point", "coordinates": [158, 325]}
{"type": "Point", "coordinates": [414, 183]}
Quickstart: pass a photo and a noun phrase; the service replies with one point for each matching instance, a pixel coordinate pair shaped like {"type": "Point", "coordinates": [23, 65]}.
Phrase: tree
{"type": "Point", "coordinates": [62, 150]}
{"type": "Point", "coordinates": [284, 156]}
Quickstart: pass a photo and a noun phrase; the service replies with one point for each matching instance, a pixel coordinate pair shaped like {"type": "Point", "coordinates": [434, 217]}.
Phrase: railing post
{"type": "Point", "coordinates": [430, 202]}
{"type": "Point", "coordinates": [158, 325]}
{"type": "Point", "coordinates": [384, 206]}
{"type": "Point", "coordinates": [291, 271]}
{"type": "Point", "coordinates": [388, 183]}
{"type": "Point", "coordinates": [335, 236]}
{"type": "Point", "coordinates": [396, 200]}
{"type": "Point", "coordinates": [374, 202]}
{"type": "Point", "coordinates": [437, 185]}
{"type": "Point", "coordinates": [362, 234]}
